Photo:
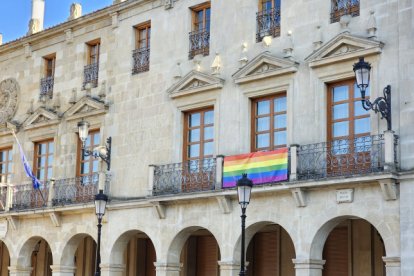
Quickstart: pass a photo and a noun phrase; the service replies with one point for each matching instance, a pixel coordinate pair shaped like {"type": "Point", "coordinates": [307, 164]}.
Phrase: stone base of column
{"type": "Point", "coordinates": [308, 267]}
{"type": "Point", "coordinates": [392, 266]}
{"type": "Point", "coordinates": [112, 269]}
{"type": "Point", "coordinates": [20, 271]}
{"type": "Point", "coordinates": [63, 270]}
{"type": "Point", "coordinates": [229, 268]}
{"type": "Point", "coordinates": [165, 269]}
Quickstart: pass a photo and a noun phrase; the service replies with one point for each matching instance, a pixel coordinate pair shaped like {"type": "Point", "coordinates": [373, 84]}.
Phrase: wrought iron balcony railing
{"type": "Point", "coordinates": [186, 177]}
{"type": "Point", "coordinates": [140, 59]}
{"type": "Point", "coordinates": [344, 7]}
{"type": "Point", "coordinates": [90, 75]}
{"type": "Point", "coordinates": [199, 43]}
{"type": "Point", "coordinates": [46, 87]}
{"type": "Point", "coordinates": [75, 190]}
{"type": "Point", "coordinates": [268, 23]}
{"type": "Point", "coordinates": [343, 157]}
{"type": "Point", "coordinates": [25, 197]}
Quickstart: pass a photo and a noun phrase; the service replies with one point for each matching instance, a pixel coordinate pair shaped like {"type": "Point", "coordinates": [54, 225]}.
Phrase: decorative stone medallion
{"type": "Point", "coordinates": [9, 90]}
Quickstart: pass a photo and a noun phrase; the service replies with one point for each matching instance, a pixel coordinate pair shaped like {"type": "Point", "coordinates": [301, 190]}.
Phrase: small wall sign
{"type": "Point", "coordinates": [345, 195]}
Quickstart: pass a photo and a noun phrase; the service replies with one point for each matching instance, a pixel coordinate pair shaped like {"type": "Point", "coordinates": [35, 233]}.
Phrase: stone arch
{"type": "Point", "coordinates": [25, 253]}
{"type": "Point", "coordinates": [70, 248]}
{"type": "Point", "coordinates": [251, 230]}
{"type": "Point", "coordinates": [117, 252]}
{"type": "Point", "coordinates": [323, 232]}
{"type": "Point", "coordinates": [174, 250]}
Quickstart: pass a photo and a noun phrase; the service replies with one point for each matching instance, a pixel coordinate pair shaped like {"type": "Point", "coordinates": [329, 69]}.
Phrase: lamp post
{"type": "Point", "coordinates": [103, 152]}
{"type": "Point", "coordinates": [100, 204]}
{"type": "Point", "coordinates": [244, 188]}
{"type": "Point", "coordinates": [362, 71]}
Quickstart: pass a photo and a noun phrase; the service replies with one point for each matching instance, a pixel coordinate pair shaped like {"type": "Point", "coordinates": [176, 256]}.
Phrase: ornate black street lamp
{"type": "Point", "coordinates": [103, 152]}
{"type": "Point", "coordinates": [244, 189]}
{"type": "Point", "coordinates": [362, 71]}
{"type": "Point", "coordinates": [100, 204]}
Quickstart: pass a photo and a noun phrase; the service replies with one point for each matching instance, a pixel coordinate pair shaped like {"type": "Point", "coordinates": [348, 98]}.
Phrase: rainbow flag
{"type": "Point", "coordinates": [261, 167]}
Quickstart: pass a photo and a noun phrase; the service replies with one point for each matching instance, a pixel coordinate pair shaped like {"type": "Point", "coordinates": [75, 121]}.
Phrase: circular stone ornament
{"type": "Point", "coordinates": [9, 90]}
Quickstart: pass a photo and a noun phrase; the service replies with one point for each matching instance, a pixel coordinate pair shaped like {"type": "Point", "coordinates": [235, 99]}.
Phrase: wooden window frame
{"type": "Point", "coordinates": [79, 160]}
{"type": "Point", "coordinates": [47, 154]}
{"type": "Point", "coordinates": [90, 55]}
{"type": "Point", "coordinates": [6, 174]}
{"type": "Point", "coordinates": [261, 2]}
{"type": "Point", "coordinates": [49, 72]}
{"type": "Point", "coordinates": [271, 114]}
{"type": "Point", "coordinates": [195, 10]}
{"type": "Point", "coordinates": [140, 27]}
{"type": "Point", "coordinates": [201, 142]}
{"type": "Point", "coordinates": [351, 118]}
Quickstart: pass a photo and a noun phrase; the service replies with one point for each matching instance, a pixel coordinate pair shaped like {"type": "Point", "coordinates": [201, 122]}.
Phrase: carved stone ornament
{"type": "Point", "coordinates": [9, 90]}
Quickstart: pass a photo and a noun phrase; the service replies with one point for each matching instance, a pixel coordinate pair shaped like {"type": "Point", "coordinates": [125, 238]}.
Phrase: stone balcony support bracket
{"type": "Point", "coordinates": [299, 196]}
{"type": "Point", "coordinates": [225, 204]}
{"type": "Point", "coordinates": [13, 222]}
{"type": "Point", "coordinates": [160, 209]}
{"type": "Point", "coordinates": [55, 218]}
{"type": "Point", "coordinates": [389, 189]}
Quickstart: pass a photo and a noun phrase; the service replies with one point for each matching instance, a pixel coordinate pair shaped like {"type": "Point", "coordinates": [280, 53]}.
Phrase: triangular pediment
{"type": "Point", "coordinates": [86, 106]}
{"type": "Point", "coordinates": [195, 82]}
{"type": "Point", "coordinates": [40, 118]}
{"type": "Point", "coordinates": [343, 47]}
{"type": "Point", "coordinates": [264, 66]}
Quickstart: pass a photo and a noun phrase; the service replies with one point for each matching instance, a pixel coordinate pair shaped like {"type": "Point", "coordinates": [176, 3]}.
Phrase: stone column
{"type": "Point", "coordinates": [151, 170]}
{"type": "Point", "coordinates": [308, 267]}
{"type": "Point", "coordinates": [20, 271]}
{"type": "Point", "coordinates": [229, 268]}
{"type": "Point", "coordinates": [389, 150]}
{"type": "Point", "coordinates": [164, 269]}
{"type": "Point", "coordinates": [112, 269]}
{"type": "Point", "coordinates": [293, 162]}
{"type": "Point", "coordinates": [392, 266]}
{"type": "Point", "coordinates": [63, 270]}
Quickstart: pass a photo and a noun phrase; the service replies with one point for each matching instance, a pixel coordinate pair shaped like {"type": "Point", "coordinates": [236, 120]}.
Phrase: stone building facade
{"type": "Point", "coordinates": [179, 84]}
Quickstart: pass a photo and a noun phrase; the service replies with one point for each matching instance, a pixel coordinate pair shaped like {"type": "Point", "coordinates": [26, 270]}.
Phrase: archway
{"type": "Point", "coordinates": [135, 250]}
{"type": "Point", "coordinates": [4, 259]}
{"type": "Point", "coordinates": [270, 251]}
{"type": "Point", "coordinates": [353, 247]}
{"type": "Point", "coordinates": [36, 253]}
{"type": "Point", "coordinates": [200, 255]}
{"type": "Point", "coordinates": [80, 252]}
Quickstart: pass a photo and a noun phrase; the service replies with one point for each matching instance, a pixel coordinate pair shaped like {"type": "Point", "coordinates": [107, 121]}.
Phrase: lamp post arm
{"type": "Point", "coordinates": [381, 105]}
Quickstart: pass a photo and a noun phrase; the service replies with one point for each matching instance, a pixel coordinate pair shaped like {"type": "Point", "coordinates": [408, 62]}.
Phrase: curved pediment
{"type": "Point", "coordinates": [264, 66]}
{"type": "Point", "coordinates": [343, 47]}
{"type": "Point", "coordinates": [86, 106]}
{"type": "Point", "coordinates": [40, 118]}
{"type": "Point", "coordinates": [195, 82]}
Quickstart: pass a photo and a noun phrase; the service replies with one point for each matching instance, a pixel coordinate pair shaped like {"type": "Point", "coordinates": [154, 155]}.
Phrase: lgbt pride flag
{"type": "Point", "coordinates": [261, 167]}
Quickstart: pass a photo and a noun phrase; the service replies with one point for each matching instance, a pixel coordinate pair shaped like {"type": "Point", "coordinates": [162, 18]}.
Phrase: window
{"type": "Point", "coordinates": [268, 19]}
{"type": "Point", "coordinates": [5, 164]}
{"type": "Point", "coordinates": [43, 160]}
{"type": "Point", "coordinates": [88, 165]}
{"type": "Point", "coordinates": [46, 83]}
{"type": "Point", "coordinates": [343, 7]}
{"type": "Point", "coordinates": [141, 54]}
{"type": "Point", "coordinates": [269, 123]}
{"type": "Point", "coordinates": [199, 134]}
{"type": "Point", "coordinates": [91, 70]}
{"type": "Point", "coordinates": [200, 35]}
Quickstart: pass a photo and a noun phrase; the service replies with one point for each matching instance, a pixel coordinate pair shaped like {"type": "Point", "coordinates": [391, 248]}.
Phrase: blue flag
{"type": "Point", "coordinates": [27, 168]}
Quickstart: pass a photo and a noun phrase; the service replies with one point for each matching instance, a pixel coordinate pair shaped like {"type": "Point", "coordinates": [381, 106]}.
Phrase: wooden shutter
{"type": "Point", "coordinates": [207, 256]}
{"type": "Point", "coordinates": [336, 252]}
{"type": "Point", "coordinates": [151, 258]}
{"type": "Point", "coordinates": [266, 251]}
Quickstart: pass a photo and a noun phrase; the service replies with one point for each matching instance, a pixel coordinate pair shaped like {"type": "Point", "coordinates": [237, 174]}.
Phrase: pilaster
{"type": "Point", "coordinates": [63, 270]}
{"type": "Point", "coordinates": [392, 266]}
{"type": "Point", "coordinates": [308, 267]}
{"type": "Point", "coordinates": [20, 271]}
{"type": "Point", "coordinates": [168, 269]}
{"type": "Point", "coordinates": [229, 268]}
{"type": "Point", "coordinates": [112, 269]}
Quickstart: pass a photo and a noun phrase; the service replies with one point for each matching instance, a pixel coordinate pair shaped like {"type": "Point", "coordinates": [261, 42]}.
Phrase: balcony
{"type": "Point", "coordinates": [90, 75]}
{"type": "Point", "coordinates": [268, 23]}
{"type": "Point", "coordinates": [340, 159]}
{"type": "Point", "coordinates": [140, 59]}
{"type": "Point", "coordinates": [52, 194]}
{"type": "Point", "coordinates": [340, 8]}
{"type": "Point", "coordinates": [46, 87]}
{"type": "Point", "coordinates": [199, 43]}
